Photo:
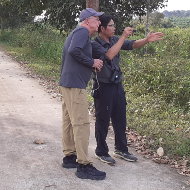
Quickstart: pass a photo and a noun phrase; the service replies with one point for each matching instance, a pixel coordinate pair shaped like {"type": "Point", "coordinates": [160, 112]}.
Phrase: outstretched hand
{"type": "Point", "coordinates": [128, 31]}
{"type": "Point", "coordinates": [154, 36]}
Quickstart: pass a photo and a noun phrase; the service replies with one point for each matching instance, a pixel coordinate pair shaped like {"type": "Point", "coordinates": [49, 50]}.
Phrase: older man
{"type": "Point", "coordinates": [77, 66]}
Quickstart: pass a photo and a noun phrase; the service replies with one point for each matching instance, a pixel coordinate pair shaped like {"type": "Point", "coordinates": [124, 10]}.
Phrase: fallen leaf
{"type": "Point", "coordinates": [39, 141]}
{"type": "Point", "coordinates": [156, 160]}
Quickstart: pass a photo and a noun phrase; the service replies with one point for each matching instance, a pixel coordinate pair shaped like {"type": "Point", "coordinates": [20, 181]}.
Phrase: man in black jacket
{"type": "Point", "coordinates": [108, 92]}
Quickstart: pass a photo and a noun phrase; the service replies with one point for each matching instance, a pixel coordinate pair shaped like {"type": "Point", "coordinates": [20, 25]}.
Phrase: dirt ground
{"type": "Point", "coordinates": [27, 113]}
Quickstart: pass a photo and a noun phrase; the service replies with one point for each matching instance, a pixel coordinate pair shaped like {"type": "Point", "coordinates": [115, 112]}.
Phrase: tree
{"type": "Point", "coordinates": [167, 23]}
{"type": "Point", "coordinates": [63, 14]}
{"type": "Point", "coordinates": [155, 19]}
{"type": "Point", "coordinates": [93, 4]}
{"type": "Point", "coordinates": [8, 13]}
{"type": "Point", "coordinates": [15, 12]}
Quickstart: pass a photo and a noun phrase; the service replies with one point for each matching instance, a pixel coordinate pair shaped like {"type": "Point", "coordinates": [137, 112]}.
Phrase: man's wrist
{"type": "Point", "coordinates": [123, 37]}
{"type": "Point", "coordinates": [146, 40]}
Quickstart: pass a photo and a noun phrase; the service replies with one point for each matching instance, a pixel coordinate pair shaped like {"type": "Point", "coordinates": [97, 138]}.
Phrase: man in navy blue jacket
{"type": "Point", "coordinates": [109, 95]}
{"type": "Point", "coordinates": [77, 66]}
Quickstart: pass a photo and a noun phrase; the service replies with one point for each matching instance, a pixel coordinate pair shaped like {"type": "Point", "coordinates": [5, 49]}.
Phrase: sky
{"type": "Point", "coordinates": [177, 5]}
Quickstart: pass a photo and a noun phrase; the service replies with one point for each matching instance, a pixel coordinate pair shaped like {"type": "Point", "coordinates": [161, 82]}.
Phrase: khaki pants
{"type": "Point", "coordinates": [76, 125]}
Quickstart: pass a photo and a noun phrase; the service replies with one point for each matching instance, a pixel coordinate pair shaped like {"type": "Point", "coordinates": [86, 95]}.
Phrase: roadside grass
{"type": "Point", "coordinates": [42, 67]}
{"type": "Point", "coordinates": [163, 123]}
{"type": "Point", "coordinates": [38, 47]}
{"type": "Point", "coordinates": [157, 83]}
{"type": "Point", "coordinates": [158, 94]}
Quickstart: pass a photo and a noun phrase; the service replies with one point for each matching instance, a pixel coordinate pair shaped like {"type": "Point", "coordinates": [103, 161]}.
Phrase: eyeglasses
{"type": "Point", "coordinates": [111, 25]}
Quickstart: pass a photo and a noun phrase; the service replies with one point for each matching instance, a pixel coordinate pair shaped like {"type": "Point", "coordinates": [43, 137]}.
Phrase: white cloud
{"type": "Point", "coordinates": [177, 5]}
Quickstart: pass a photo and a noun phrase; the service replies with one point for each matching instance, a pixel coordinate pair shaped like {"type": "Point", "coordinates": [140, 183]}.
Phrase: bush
{"type": "Point", "coordinates": [151, 116]}
{"type": "Point", "coordinates": [158, 88]}
{"type": "Point", "coordinates": [38, 45]}
{"type": "Point", "coordinates": [163, 70]}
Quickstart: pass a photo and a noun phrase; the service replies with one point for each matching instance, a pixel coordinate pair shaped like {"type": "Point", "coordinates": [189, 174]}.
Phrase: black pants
{"type": "Point", "coordinates": [110, 103]}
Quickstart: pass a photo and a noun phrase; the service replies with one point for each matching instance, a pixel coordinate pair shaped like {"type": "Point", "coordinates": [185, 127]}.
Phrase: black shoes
{"type": "Point", "coordinates": [89, 172]}
{"type": "Point", "coordinates": [125, 155]}
{"type": "Point", "coordinates": [83, 171]}
{"type": "Point", "coordinates": [70, 161]}
{"type": "Point", "coordinates": [106, 159]}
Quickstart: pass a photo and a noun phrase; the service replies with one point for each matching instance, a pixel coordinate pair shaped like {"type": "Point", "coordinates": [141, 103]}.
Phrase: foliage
{"type": "Point", "coordinates": [63, 14]}
{"type": "Point", "coordinates": [155, 20]}
{"type": "Point", "coordinates": [151, 116]}
{"type": "Point", "coordinates": [39, 45]}
{"type": "Point", "coordinates": [166, 19]}
{"type": "Point", "coordinates": [158, 89]}
{"type": "Point", "coordinates": [182, 22]}
{"type": "Point", "coordinates": [7, 10]}
{"type": "Point", "coordinates": [170, 80]}
{"type": "Point", "coordinates": [169, 77]}
{"type": "Point", "coordinates": [15, 12]}
{"type": "Point", "coordinates": [167, 23]}
{"type": "Point", "coordinates": [179, 18]}
{"type": "Point", "coordinates": [127, 9]}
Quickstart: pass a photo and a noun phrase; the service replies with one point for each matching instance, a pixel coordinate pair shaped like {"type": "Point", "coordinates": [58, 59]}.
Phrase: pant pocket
{"type": "Point", "coordinates": [80, 109]}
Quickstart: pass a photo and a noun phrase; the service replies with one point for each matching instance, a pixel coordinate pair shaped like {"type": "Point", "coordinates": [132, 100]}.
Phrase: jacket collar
{"type": "Point", "coordinates": [101, 41]}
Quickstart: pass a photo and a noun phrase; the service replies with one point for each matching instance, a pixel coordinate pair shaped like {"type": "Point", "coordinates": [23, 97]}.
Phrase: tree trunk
{"type": "Point", "coordinates": [147, 22]}
{"type": "Point", "coordinates": [1, 23]}
{"type": "Point", "coordinates": [147, 17]}
{"type": "Point", "coordinates": [92, 4]}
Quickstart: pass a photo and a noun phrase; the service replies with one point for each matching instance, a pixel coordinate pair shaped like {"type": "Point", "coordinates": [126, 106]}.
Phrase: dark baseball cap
{"type": "Point", "coordinates": [88, 12]}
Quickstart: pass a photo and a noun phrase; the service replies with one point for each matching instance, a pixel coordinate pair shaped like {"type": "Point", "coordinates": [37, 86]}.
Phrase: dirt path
{"type": "Point", "coordinates": [27, 113]}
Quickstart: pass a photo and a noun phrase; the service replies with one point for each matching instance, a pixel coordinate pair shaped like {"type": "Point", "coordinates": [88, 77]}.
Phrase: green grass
{"type": "Point", "coordinates": [157, 83]}
{"type": "Point", "coordinates": [39, 46]}
{"type": "Point", "coordinates": [151, 116]}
